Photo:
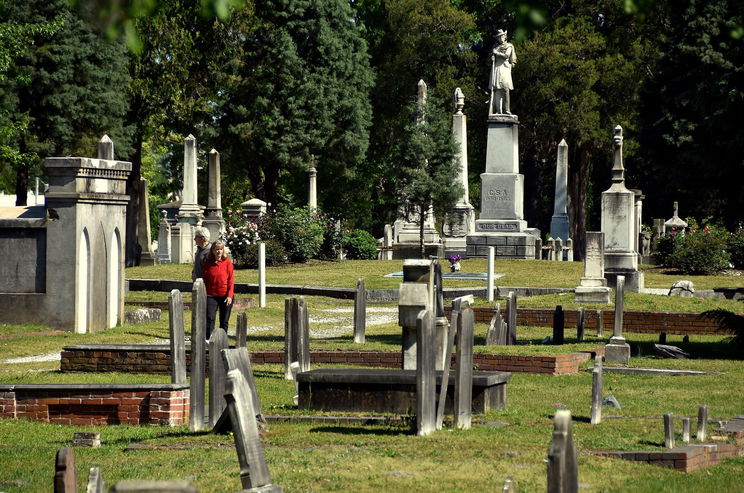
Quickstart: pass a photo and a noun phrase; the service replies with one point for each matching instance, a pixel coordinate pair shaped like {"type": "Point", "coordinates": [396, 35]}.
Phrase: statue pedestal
{"type": "Point", "coordinates": [617, 351]}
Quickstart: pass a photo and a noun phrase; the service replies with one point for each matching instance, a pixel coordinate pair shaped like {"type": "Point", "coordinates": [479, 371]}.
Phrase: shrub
{"type": "Point", "coordinates": [239, 235]}
{"type": "Point", "coordinates": [275, 255]}
{"type": "Point", "coordinates": [360, 245]}
{"type": "Point", "coordinates": [333, 239]}
{"type": "Point", "coordinates": [298, 230]}
{"type": "Point", "coordinates": [700, 250]}
{"type": "Point", "coordinates": [736, 248]}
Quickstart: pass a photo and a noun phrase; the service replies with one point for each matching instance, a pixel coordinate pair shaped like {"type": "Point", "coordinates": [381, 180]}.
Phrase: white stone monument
{"type": "Point", "coordinates": [312, 192]}
{"type": "Point", "coordinates": [593, 287]}
{"type": "Point", "coordinates": [213, 214]}
{"type": "Point", "coordinates": [189, 213]}
{"type": "Point", "coordinates": [619, 225]}
{"type": "Point", "coordinates": [559, 227]}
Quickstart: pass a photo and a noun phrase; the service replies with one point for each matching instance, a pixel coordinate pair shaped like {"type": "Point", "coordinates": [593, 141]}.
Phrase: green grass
{"type": "Point", "coordinates": [313, 457]}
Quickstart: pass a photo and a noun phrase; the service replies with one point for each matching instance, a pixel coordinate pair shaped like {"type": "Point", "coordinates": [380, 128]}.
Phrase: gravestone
{"type": "Point", "coordinates": [457, 305]}
{"type": "Point", "coordinates": [619, 224]}
{"type": "Point", "coordinates": [387, 243]}
{"type": "Point", "coordinates": [669, 430]}
{"type": "Point", "coordinates": [213, 213]}
{"type": "Point", "coordinates": [683, 289]}
{"type": "Point", "coordinates": [239, 359]}
{"type": "Point", "coordinates": [95, 481]}
{"type": "Point", "coordinates": [426, 382]}
{"type": "Point", "coordinates": [86, 439]}
{"type": "Point", "coordinates": [563, 466]}
{"type": "Point", "coordinates": [296, 335]}
{"type": "Point", "coordinates": [702, 425]}
{"type": "Point", "coordinates": [569, 250]}
{"type": "Point", "coordinates": [65, 477]}
{"type": "Point", "coordinates": [414, 296]}
{"type": "Point", "coordinates": [189, 211]}
{"type": "Point", "coordinates": [559, 319]}
{"type": "Point", "coordinates": [600, 323]}
{"type": "Point", "coordinates": [463, 366]}
{"type": "Point", "coordinates": [460, 219]}
{"type": "Point", "coordinates": [164, 239]}
{"type": "Point", "coordinates": [217, 372]}
{"type": "Point", "coordinates": [617, 350]}
{"type": "Point", "coordinates": [511, 318]}
{"type": "Point", "coordinates": [198, 356]}
{"type": "Point", "coordinates": [538, 248]}
{"type": "Point", "coordinates": [597, 371]}
{"type": "Point", "coordinates": [489, 274]}
{"type": "Point", "coordinates": [497, 330]}
{"type": "Point", "coordinates": [360, 312]}
{"type": "Point", "coordinates": [580, 322]}
{"type": "Point", "coordinates": [593, 287]}
{"type": "Point", "coordinates": [144, 238]}
{"type": "Point", "coordinates": [558, 253]}
{"type": "Point", "coordinates": [254, 473]}
{"type": "Point", "coordinates": [177, 337]}
{"type": "Point", "coordinates": [241, 330]}
{"type": "Point", "coordinates": [686, 430]}
{"type": "Point", "coordinates": [550, 244]}
{"type": "Point", "coordinates": [559, 222]}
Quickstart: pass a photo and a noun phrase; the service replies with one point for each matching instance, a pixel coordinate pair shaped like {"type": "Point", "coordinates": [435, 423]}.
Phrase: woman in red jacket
{"type": "Point", "coordinates": [219, 283]}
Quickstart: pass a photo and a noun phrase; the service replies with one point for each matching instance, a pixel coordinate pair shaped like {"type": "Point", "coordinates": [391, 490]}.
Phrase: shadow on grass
{"type": "Point", "coordinates": [376, 430]}
{"type": "Point", "coordinates": [698, 350]}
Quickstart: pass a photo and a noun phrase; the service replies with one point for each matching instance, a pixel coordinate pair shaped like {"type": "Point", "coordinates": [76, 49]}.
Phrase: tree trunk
{"type": "Point", "coordinates": [133, 249]}
{"type": "Point", "coordinates": [579, 171]}
{"type": "Point", "coordinates": [21, 187]}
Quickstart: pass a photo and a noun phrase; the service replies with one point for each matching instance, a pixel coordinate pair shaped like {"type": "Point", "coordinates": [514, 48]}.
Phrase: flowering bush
{"type": "Point", "coordinates": [239, 234]}
{"type": "Point", "coordinates": [699, 250]}
{"type": "Point", "coordinates": [298, 230]}
{"type": "Point", "coordinates": [736, 249]}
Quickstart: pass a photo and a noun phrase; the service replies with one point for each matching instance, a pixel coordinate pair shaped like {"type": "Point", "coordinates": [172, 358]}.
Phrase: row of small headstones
{"type": "Point", "coordinates": [502, 331]}
{"type": "Point", "coordinates": [555, 249]}
{"type": "Point", "coordinates": [702, 427]}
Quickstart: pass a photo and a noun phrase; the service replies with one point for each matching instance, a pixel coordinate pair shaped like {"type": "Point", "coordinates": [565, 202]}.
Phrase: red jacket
{"type": "Point", "coordinates": [218, 277]}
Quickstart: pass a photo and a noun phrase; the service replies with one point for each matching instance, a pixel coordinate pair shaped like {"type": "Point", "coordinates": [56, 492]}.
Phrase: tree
{"type": "Point", "coordinates": [63, 92]}
{"type": "Point", "coordinates": [296, 95]}
{"type": "Point", "coordinates": [427, 170]}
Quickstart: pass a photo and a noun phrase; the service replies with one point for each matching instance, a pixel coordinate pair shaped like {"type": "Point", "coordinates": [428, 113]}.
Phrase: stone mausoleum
{"type": "Point", "coordinates": [64, 261]}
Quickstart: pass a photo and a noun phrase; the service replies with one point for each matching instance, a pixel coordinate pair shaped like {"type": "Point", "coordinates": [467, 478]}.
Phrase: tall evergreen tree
{"type": "Point", "coordinates": [427, 170]}
{"type": "Point", "coordinates": [296, 95]}
{"type": "Point", "coordinates": [68, 89]}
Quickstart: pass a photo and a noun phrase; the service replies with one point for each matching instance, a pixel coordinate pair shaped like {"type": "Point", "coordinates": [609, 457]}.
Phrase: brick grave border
{"type": "Point", "coordinates": [156, 359]}
{"type": "Point", "coordinates": [97, 404]}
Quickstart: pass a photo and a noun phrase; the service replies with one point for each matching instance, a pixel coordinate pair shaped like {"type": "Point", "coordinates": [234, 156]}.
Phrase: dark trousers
{"type": "Point", "coordinates": [214, 304]}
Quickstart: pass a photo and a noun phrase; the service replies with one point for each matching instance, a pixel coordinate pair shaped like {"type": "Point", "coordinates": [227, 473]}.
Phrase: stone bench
{"type": "Point", "coordinates": [389, 391]}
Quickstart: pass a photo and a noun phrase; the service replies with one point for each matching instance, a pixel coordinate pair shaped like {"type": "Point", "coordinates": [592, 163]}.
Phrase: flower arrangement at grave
{"type": "Point", "coordinates": [454, 261]}
{"type": "Point", "coordinates": [240, 232]}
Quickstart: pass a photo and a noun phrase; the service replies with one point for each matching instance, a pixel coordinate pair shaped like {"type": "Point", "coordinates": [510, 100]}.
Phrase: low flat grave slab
{"type": "Point", "coordinates": [462, 276]}
{"type": "Point", "coordinates": [389, 391]}
{"type": "Point", "coordinates": [656, 371]}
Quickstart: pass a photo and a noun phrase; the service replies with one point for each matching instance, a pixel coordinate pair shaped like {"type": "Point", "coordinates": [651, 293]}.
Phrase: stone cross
{"type": "Point", "coordinates": [463, 366]}
{"type": "Point", "coordinates": [559, 222]}
{"type": "Point", "coordinates": [669, 430]}
{"type": "Point", "coordinates": [95, 481]}
{"type": "Point", "coordinates": [217, 342]}
{"type": "Point", "coordinates": [580, 321]}
{"type": "Point", "coordinates": [360, 312]}
{"type": "Point", "coordinates": [702, 425]}
{"type": "Point", "coordinates": [511, 318]}
{"type": "Point", "coordinates": [563, 466]}
{"type": "Point", "coordinates": [596, 417]}
{"type": "Point", "coordinates": [254, 473]}
{"type": "Point", "coordinates": [198, 357]}
{"type": "Point", "coordinates": [426, 383]}
{"type": "Point", "coordinates": [312, 194]}
{"type": "Point", "coordinates": [177, 338]}
{"type": "Point", "coordinates": [559, 319]}
{"type": "Point", "coordinates": [65, 477]}
{"type": "Point", "coordinates": [241, 330]}
{"type": "Point", "coordinates": [239, 359]}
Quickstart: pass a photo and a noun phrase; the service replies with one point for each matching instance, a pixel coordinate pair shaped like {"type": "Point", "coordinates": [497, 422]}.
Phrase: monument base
{"type": "Point", "coordinates": [148, 258]}
{"type": "Point", "coordinates": [403, 251]}
{"type": "Point", "coordinates": [592, 294]}
{"type": "Point", "coordinates": [617, 351]}
{"type": "Point", "coordinates": [634, 280]}
{"type": "Point", "coordinates": [454, 246]}
{"type": "Point", "coordinates": [506, 245]}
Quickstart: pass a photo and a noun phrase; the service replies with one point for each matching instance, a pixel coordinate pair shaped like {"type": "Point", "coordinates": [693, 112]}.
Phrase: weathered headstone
{"type": "Point", "coordinates": [241, 330]}
{"type": "Point", "coordinates": [217, 372]}
{"type": "Point", "coordinates": [413, 297]}
{"type": "Point", "coordinates": [702, 425]}
{"type": "Point", "coordinates": [387, 243]}
{"type": "Point", "coordinates": [596, 417]}
{"type": "Point", "coordinates": [489, 274]}
{"type": "Point", "coordinates": [360, 312]}
{"type": "Point", "coordinates": [262, 275]}
{"type": "Point", "coordinates": [683, 289]}
{"type": "Point", "coordinates": [559, 319]}
{"type": "Point", "coordinates": [426, 382]}
{"type": "Point", "coordinates": [511, 318]}
{"type": "Point", "coordinates": [580, 321]}
{"type": "Point", "coordinates": [239, 359]}
{"type": "Point", "coordinates": [551, 248]}
{"type": "Point", "coordinates": [86, 439]}
{"type": "Point", "coordinates": [669, 430]}
{"type": "Point", "coordinates": [177, 337]}
{"type": "Point", "coordinates": [617, 350]}
{"type": "Point", "coordinates": [451, 334]}
{"type": "Point", "coordinates": [464, 367]}
{"type": "Point", "coordinates": [559, 222]}
{"type": "Point", "coordinates": [563, 466]}
{"type": "Point", "coordinates": [291, 321]}
{"type": "Point", "coordinates": [558, 254]}
{"type": "Point", "coordinates": [569, 250]}
{"type": "Point", "coordinates": [95, 481]}
{"type": "Point", "coordinates": [497, 330]}
{"type": "Point", "coordinates": [303, 340]}
{"type": "Point", "coordinates": [254, 473]}
{"type": "Point", "coordinates": [593, 287]}
{"type": "Point", "coordinates": [152, 486]}
{"type": "Point", "coordinates": [686, 430]}
{"type": "Point", "coordinates": [600, 323]}
{"type": "Point", "coordinates": [198, 356]}
{"type": "Point", "coordinates": [65, 477]}
{"type": "Point", "coordinates": [538, 248]}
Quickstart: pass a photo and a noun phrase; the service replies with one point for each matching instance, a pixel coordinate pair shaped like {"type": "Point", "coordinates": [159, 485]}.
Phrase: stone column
{"type": "Point", "coordinates": [312, 195]}
{"type": "Point", "coordinates": [617, 350]}
{"type": "Point", "coordinates": [106, 148]}
{"type": "Point", "coordinates": [702, 425]}
{"type": "Point", "coordinates": [596, 417]}
{"type": "Point", "coordinates": [580, 322]}
{"type": "Point", "coordinates": [144, 236]}
{"type": "Point", "coordinates": [213, 214]}
{"type": "Point", "coordinates": [164, 240]}
{"type": "Point", "coordinates": [686, 430]}
{"type": "Point", "coordinates": [559, 222]}
{"type": "Point", "coordinates": [360, 312]}
{"type": "Point", "coordinates": [189, 212]}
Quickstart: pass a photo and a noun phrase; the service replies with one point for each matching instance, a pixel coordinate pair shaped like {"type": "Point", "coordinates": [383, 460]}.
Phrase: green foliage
{"type": "Point", "coordinates": [275, 255]}
{"type": "Point", "coordinates": [360, 245]}
{"type": "Point", "coordinates": [699, 250]}
{"type": "Point", "coordinates": [240, 233]}
{"type": "Point", "coordinates": [299, 230]}
{"type": "Point", "coordinates": [736, 247]}
{"type": "Point", "coordinates": [333, 238]}
{"type": "Point", "coordinates": [427, 167]}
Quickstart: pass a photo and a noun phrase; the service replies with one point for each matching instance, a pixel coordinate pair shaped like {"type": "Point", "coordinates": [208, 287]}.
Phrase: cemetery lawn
{"type": "Point", "coordinates": [313, 456]}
